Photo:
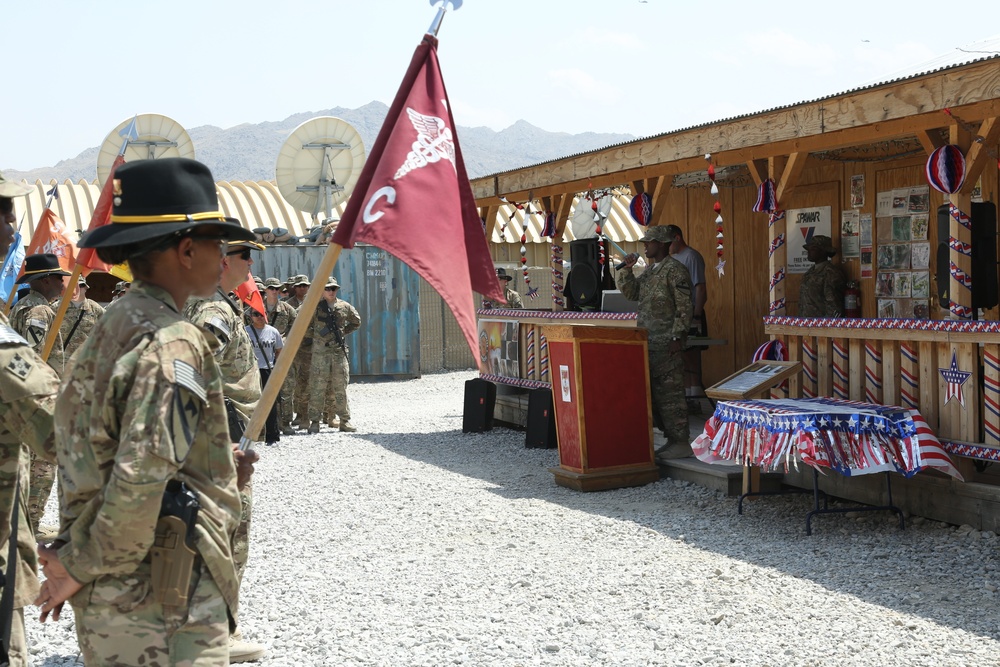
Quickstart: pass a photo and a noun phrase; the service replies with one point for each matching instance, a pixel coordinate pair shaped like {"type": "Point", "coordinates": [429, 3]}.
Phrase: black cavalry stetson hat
{"type": "Point", "coordinates": [40, 266]}
{"type": "Point", "coordinates": [157, 198]}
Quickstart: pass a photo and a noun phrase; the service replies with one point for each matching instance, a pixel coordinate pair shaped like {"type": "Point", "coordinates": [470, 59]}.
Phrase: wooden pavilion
{"type": "Point", "coordinates": [874, 140]}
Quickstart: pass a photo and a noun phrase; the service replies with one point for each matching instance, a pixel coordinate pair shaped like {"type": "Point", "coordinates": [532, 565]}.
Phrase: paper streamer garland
{"type": "Point", "coordinates": [946, 170]}
{"type": "Point", "coordinates": [557, 276]}
{"type": "Point", "coordinates": [532, 292]}
{"type": "Point", "coordinates": [767, 201]}
{"type": "Point", "coordinates": [717, 207]}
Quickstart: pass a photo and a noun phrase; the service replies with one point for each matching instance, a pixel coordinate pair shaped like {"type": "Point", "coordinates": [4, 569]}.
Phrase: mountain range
{"type": "Point", "coordinates": [247, 152]}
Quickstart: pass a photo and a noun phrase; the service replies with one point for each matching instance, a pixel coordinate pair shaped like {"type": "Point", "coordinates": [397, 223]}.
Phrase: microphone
{"type": "Point", "coordinates": [620, 266]}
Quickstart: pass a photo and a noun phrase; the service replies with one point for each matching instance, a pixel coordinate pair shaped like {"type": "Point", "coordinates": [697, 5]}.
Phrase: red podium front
{"type": "Point", "coordinates": [600, 392]}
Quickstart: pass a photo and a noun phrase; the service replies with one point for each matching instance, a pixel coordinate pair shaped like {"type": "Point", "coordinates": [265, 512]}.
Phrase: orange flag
{"type": "Point", "coordinates": [52, 236]}
{"type": "Point", "coordinates": [87, 258]}
{"type": "Point", "coordinates": [250, 295]}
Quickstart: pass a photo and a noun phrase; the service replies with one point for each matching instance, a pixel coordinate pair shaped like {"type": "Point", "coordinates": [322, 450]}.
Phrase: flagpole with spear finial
{"type": "Point", "coordinates": [436, 24]}
{"type": "Point", "coordinates": [304, 319]}
{"type": "Point", "coordinates": [128, 133]}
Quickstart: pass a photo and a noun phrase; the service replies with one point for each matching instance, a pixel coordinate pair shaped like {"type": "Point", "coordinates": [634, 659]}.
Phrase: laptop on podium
{"type": "Point", "coordinates": [613, 301]}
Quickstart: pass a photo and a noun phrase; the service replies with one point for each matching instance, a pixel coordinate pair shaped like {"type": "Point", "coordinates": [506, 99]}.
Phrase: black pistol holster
{"type": "Point", "coordinates": [172, 556]}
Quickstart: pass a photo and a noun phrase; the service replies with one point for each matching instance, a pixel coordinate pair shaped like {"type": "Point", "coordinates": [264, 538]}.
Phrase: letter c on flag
{"type": "Point", "coordinates": [389, 193]}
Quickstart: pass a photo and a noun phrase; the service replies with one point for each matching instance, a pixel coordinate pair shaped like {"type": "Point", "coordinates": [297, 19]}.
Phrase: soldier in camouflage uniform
{"type": "Point", "coordinates": [821, 293]}
{"type": "Point", "coordinates": [141, 414]}
{"type": "Point", "coordinates": [27, 402]}
{"type": "Point", "coordinates": [663, 291]}
{"type": "Point", "coordinates": [32, 317]}
{"type": "Point", "coordinates": [223, 318]}
{"type": "Point", "coordinates": [281, 316]}
{"type": "Point", "coordinates": [512, 299]}
{"type": "Point", "coordinates": [303, 356]}
{"type": "Point", "coordinates": [334, 320]}
{"type": "Point", "coordinates": [81, 316]}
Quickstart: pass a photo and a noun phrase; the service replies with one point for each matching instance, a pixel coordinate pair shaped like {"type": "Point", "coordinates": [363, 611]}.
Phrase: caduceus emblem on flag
{"type": "Point", "coordinates": [434, 142]}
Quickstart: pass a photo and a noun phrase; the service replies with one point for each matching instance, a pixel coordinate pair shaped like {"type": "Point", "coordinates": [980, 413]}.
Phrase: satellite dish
{"type": "Point", "coordinates": [319, 165]}
{"type": "Point", "coordinates": [155, 136]}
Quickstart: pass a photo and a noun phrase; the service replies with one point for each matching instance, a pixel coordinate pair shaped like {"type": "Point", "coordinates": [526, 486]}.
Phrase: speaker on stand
{"type": "Point", "coordinates": [584, 282]}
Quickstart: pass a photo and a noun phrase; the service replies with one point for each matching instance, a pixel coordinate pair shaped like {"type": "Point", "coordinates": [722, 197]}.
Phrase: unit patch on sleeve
{"type": "Point", "coordinates": [19, 366]}
{"type": "Point", "coordinates": [189, 402]}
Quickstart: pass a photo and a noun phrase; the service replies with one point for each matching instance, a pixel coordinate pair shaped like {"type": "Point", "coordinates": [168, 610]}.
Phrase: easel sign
{"type": "Point", "coordinates": [754, 381]}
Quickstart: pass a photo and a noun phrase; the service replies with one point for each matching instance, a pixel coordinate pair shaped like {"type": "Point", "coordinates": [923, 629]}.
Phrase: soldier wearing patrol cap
{"type": "Point", "coordinates": [222, 317]}
{"type": "Point", "coordinates": [821, 293]}
{"type": "Point", "coordinates": [281, 316]}
{"type": "Point", "coordinates": [663, 291]}
{"type": "Point", "coordinates": [303, 356]}
{"type": "Point", "coordinates": [147, 382]}
{"type": "Point", "coordinates": [335, 319]}
{"type": "Point", "coordinates": [81, 317]}
{"type": "Point", "coordinates": [28, 387]}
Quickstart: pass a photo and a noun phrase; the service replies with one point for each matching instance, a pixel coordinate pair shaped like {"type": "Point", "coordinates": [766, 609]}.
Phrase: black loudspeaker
{"type": "Point", "coordinates": [583, 283]}
{"type": "Point", "coordinates": [541, 431]}
{"type": "Point", "coordinates": [480, 399]}
{"type": "Point", "coordinates": [984, 255]}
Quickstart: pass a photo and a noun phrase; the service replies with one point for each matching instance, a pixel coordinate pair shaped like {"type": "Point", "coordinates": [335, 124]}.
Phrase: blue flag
{"type": "Point", "coordinates": [11, 266]}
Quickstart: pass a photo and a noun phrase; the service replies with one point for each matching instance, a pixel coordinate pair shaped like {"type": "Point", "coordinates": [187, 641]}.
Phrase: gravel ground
{"type": "Point", "coordinates": [411, 543]}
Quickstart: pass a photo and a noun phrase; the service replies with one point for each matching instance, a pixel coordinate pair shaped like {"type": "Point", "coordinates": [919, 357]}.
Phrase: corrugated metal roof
{"type": "Point", "coordinates": [619, 226]}
{"type": "Point", "coordinates": [253, 203]}
{"type": "Point", "coordinates": [988, 49]}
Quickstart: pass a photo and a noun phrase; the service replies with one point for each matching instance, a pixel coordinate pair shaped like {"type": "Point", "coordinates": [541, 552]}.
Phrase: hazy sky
{"type": "Point", "coordinates": [76, 68]}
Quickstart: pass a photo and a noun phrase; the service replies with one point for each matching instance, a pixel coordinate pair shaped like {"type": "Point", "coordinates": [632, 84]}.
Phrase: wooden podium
{"type": "Point", "coordinates": [600, 392]}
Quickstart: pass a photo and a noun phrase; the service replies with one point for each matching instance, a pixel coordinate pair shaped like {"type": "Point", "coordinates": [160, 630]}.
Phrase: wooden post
{"type": "Point", "coordinates": [841, 386]}
{"type": "Point", "coordinates": [778, 258]}
{"type": "Point", "coordinates": [909, 387]}
{"type": "Point", "coordinates": [960, 229]}
{"type": "Point", "coordinates": [873, 372]}
{"type": "Point", "coordinates": [991, 395]}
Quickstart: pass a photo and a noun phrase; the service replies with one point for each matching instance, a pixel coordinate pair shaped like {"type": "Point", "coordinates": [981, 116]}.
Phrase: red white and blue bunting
{"type": "Point", "coordinates": [850, 437]}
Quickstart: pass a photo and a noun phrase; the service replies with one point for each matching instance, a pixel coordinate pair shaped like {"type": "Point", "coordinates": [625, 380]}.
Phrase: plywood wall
{"type": "Point", "coordinates": [738, 300]}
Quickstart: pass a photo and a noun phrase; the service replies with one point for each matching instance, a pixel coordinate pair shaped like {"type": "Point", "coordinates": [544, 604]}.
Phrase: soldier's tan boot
{"type": "Point", "coordinates": [243, 651]}
{"type": "Point", "coordinates": [314, 427]}
{"type": "Point", "coordinates": [346, 425]}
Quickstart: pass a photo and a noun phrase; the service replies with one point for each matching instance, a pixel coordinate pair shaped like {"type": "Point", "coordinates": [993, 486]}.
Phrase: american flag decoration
{"type": "Point", "coordinates": [850, 437]}
{"type": "Point", "coordinates": [717, 207]}
{"type": "Point", "coordinates": [549, 229]}
{"type": "Point", "coordinates": [954, 378]}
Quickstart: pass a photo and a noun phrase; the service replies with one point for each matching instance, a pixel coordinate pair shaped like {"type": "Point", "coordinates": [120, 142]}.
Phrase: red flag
{"type": "Point", "coordinates": [52, 236]}
{"type": "Point", "coordinates": [414, 200]}
{"type": "Point", "coordinates": [87, 258]}
{"type": "Point", "coordinates": [249, 294]}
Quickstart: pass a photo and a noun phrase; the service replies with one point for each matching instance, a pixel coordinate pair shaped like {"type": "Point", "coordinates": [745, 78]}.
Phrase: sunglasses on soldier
{"type": "Point", "coordinates": [244, 253]}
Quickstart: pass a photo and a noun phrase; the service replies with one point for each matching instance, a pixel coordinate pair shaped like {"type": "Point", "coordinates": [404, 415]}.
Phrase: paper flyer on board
{"type": "Point", "coordinates": [803, 225]}
{"type": "Point", "coordinates": [850, 223]}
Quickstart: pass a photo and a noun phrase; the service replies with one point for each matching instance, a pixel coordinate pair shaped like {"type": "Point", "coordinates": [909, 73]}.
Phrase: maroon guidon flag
{"type": "Point", "coordinates": [414, 200]}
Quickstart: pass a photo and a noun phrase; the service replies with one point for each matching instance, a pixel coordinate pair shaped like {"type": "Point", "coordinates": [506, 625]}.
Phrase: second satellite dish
{"type": "Point", "coordinates": [156, 136]}
{"type": "Point", "coordinates": [319, 165]}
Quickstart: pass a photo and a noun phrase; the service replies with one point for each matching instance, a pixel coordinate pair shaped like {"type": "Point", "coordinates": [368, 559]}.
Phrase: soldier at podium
{"type": "Point", "coordinates": [663, 292]}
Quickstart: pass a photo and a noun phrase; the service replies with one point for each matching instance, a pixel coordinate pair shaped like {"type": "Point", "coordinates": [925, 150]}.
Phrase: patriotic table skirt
{"type": "Point", "coordinates": [850, 437]}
